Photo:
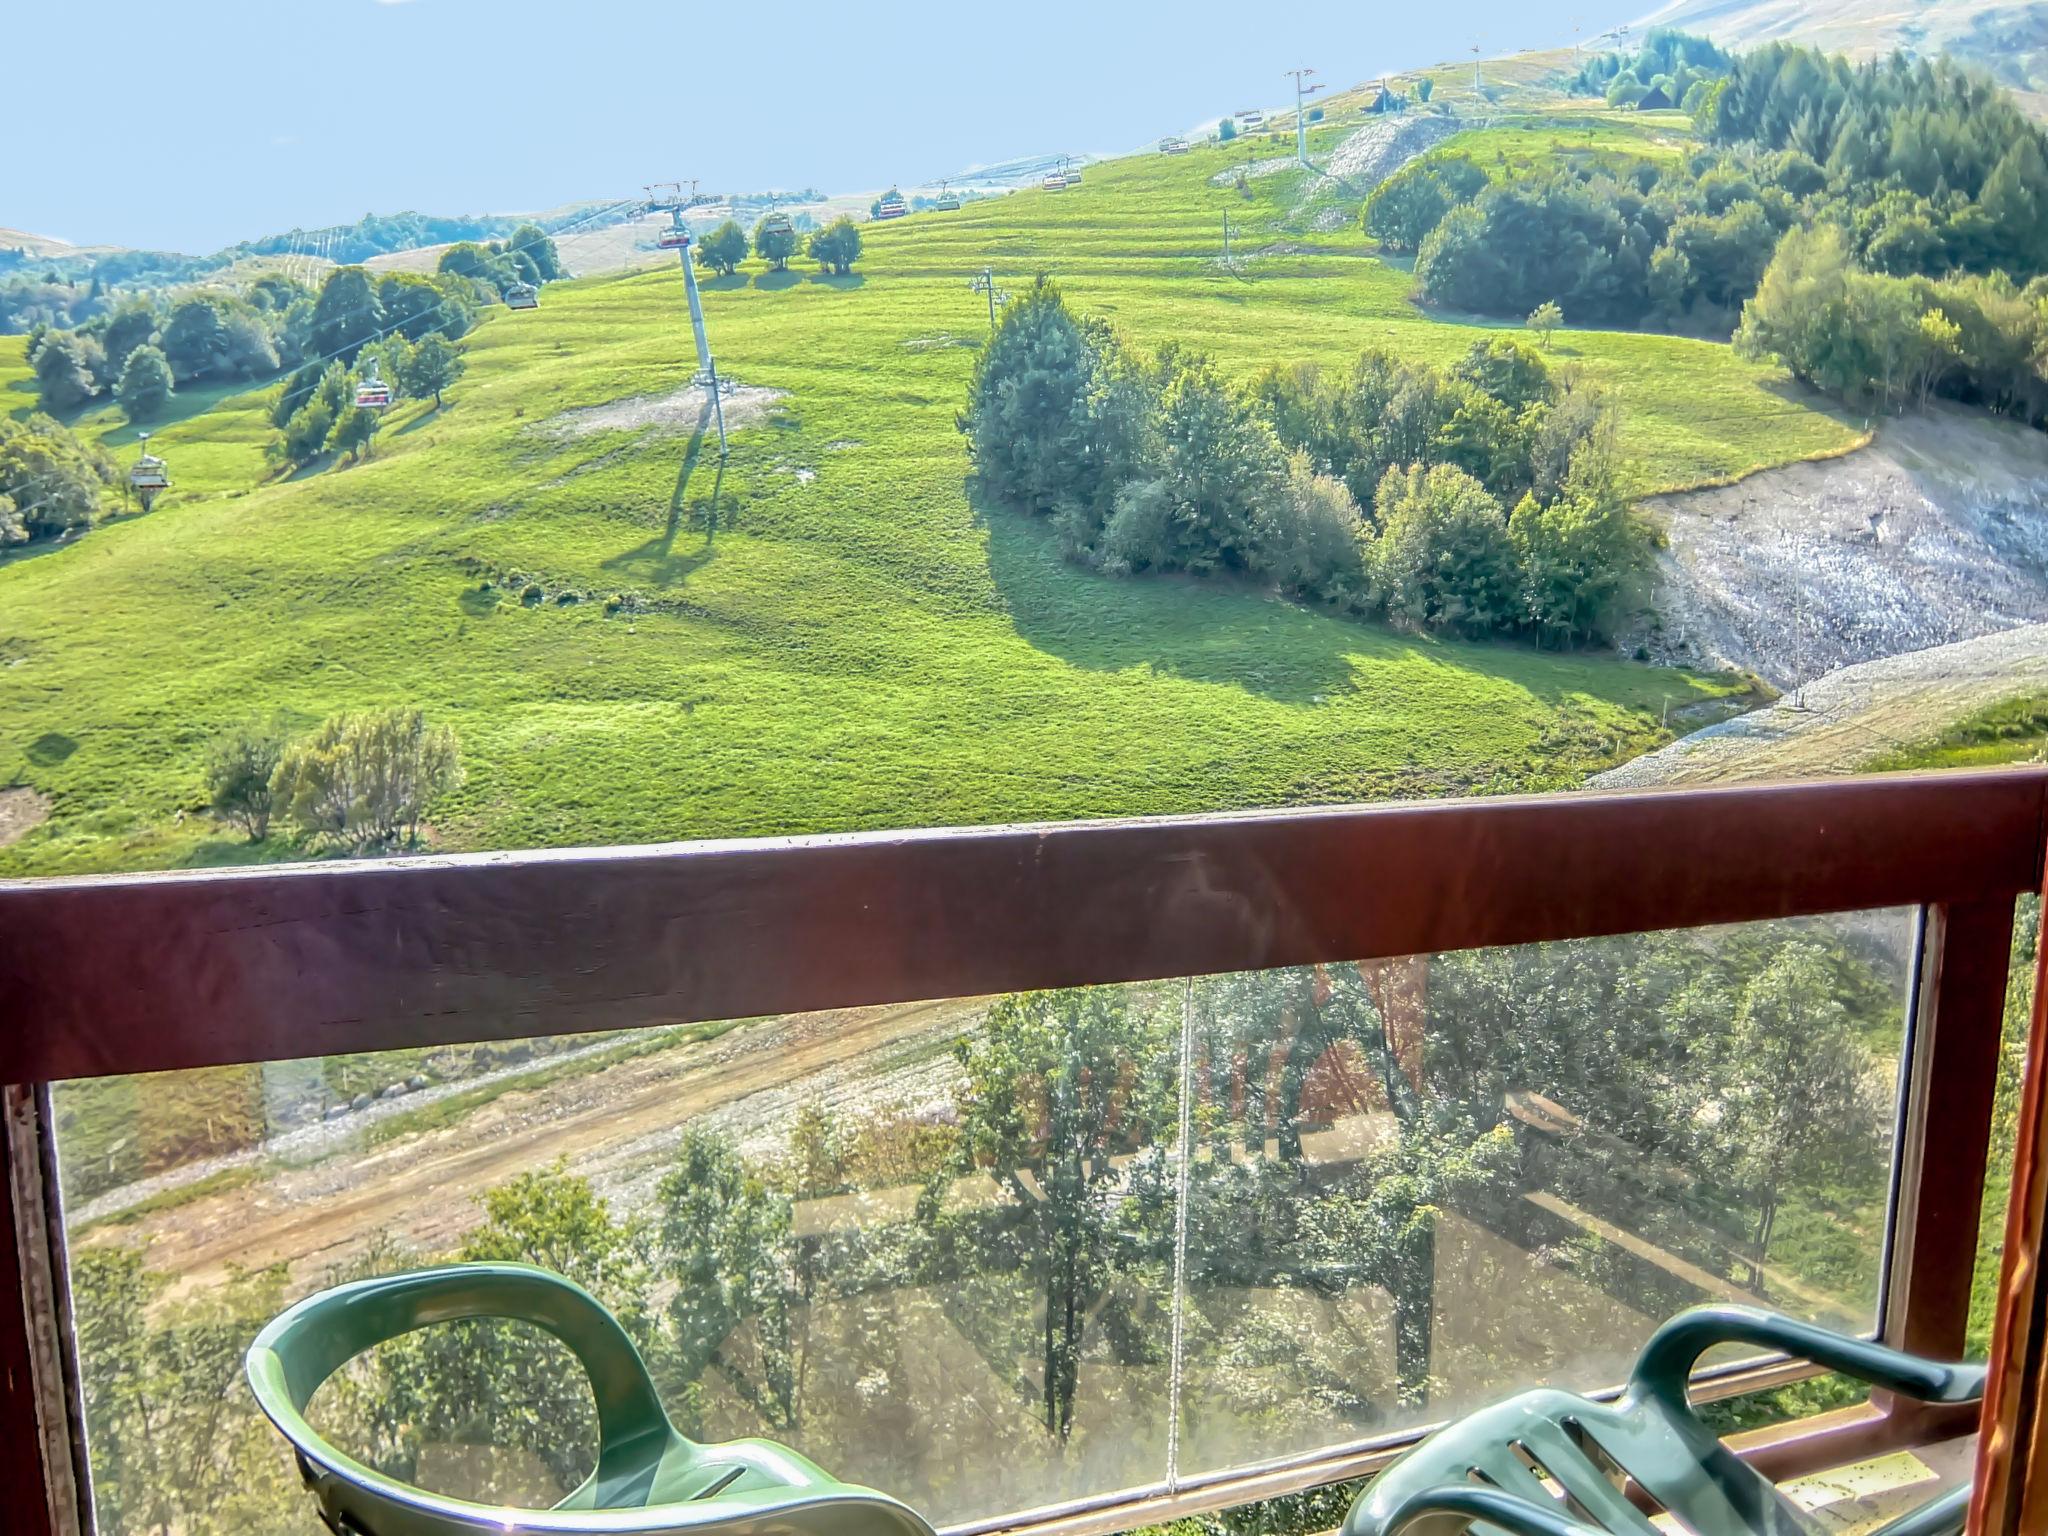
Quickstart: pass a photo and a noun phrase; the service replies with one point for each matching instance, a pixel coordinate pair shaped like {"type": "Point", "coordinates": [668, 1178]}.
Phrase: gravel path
{"type": "Point", "coordinates": [1936, 532]}
{"type": "Point", "coordinates": [681, 410]}
{"type": "Point", "coordinates": [1851, 718]}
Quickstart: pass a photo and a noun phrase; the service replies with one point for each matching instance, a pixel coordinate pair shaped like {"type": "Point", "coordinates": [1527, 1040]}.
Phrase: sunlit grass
{"type": "Point", "coordinates": [852, 642]}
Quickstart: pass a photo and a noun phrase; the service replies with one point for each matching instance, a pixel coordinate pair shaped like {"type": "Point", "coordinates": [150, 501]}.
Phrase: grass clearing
{"type": "Point", "coordinates": [826, 632]}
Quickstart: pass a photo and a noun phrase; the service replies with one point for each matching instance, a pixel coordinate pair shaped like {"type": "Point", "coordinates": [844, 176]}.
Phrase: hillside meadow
{"type": "Point", "coordinates": [826, 632]}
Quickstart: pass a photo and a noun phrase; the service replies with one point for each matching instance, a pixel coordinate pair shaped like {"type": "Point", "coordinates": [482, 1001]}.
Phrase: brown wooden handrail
{"type": "Point", "coordinates": [149, 972]}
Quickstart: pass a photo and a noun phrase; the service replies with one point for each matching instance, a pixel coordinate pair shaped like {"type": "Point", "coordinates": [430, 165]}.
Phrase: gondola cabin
{"type": "Point", "coordinates": [892, 207]}
{"type": "Point", "coordinates": [522, 296]}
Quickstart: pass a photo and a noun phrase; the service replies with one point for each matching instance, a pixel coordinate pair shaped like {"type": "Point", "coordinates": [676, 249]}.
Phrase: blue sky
{"type": "Point", "coordinates": [260, 115]}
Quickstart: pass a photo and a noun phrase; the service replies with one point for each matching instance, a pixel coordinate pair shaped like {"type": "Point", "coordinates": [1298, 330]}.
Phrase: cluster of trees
{"type": "Point", "coordinates": [1874, 340]}
{"type": "Point", "coordinates": [1479, 500]}
{"type": "Point", "coordinates": [360, 780]}
{"type": "Point", "coordinates": [527, 257]}
{"type": "Point", "coordinates": [1928, 171]}
{"type": "Point", "coordinates": [52, 481]}
{"type": "Point", "coordinates": [835, 247]}
{"type": "Point", "coordinates": [1680, 67]}
{"type": "Point", "coordinates": [142, 348]}
{"type": "Point", "coordinates": [377, 234]}
{"type": "Point", "coordinates": [1723, 1085]}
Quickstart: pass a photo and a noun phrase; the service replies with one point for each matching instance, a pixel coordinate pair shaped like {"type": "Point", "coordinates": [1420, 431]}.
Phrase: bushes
{"type": "Point", "coordinates": [238, 773]}
{"type": "Point", "coordinates": [1876, 340]}
{"type": "Point", "coordinates": [54, 481]}
{"type": "Point", "coordinates": [1405, 207]}
{"type": "Point", "coordinates": [364, 780]}
{"type": "Point", "coordinates": [1380, 492]}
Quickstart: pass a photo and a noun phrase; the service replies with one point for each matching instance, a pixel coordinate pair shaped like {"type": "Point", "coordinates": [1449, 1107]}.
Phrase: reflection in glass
{"type": "Point", "coordinates": [954, 1249]}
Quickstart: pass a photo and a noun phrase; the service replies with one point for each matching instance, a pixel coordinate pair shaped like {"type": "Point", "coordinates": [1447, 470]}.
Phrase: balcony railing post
{"type": "Point", "coordinates": [1946, 1134]}
{"type": "Point", "coordinates": [2010, 1490]}
{"type": "Point", "coordinates": [36, 1441]}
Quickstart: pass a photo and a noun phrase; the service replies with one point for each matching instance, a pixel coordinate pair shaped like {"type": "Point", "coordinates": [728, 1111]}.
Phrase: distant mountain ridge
{"type": "Point", "coordinates": [2007, 39]}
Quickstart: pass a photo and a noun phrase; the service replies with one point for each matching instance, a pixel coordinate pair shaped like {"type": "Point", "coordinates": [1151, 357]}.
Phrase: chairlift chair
{"type": "Point", "coordinates": [372, 393]}
{"type": "Point", "coordinates": [777, 224]}
{"type": "Point", "coordinates": [675, 238]}
{"type": "Point", "coordinates": [947, 200]}
{"type": "Point", "coordinates": [650, 1480]}
{"type": "Point", "coordinates": [149, 475]}
{"type": "Point", "coordinates": [892, 207]}
{"type": "Point", "coordinates": [1055, 182]}
{"type": "Point", "coordinates": [522, 296]}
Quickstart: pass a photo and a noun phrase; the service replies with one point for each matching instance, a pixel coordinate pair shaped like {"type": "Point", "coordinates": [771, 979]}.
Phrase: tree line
{"type": "Point", "coordinates": [1678, 66]}
{"type": "Point", "coordinates": [835, 246]}
{"type": "Point", "coordinates": [1727, 1090]}
{"type": "Point", "coordinates": [1477, 500]}
{"type": "Point", "coordinates": [1928, 170]}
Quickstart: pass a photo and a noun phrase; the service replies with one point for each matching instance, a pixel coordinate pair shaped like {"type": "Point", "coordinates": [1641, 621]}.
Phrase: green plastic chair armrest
{"type": "Point", "coordinates": [315, 1338]}
{"type": "Point", "coordinates": [1503, 1510]}
{"type": "Point", "coordinates": [1664, 1369]}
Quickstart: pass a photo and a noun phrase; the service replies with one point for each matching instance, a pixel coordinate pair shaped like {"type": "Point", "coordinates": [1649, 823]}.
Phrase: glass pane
{"type": "Point", "coordinates": [1425, 1183]}
{"type": "Point", "coordinates": [940, 1248]}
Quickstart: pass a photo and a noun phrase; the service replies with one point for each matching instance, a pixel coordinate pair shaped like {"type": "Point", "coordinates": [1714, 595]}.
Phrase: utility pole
{"type": "Point", "coordinates": [667, 197]}
{"type": "Point", "coordinates": [1475, 68]}
{"type": "Point", "coordinates": [1301, 93]}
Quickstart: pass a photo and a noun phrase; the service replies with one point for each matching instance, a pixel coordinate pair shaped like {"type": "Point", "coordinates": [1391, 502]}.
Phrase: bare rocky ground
{"type": "Point", "coordinates": [682, 410]}
{"type": "Point", "coordinates": [1851, 718]}
{"type": "Point", "coordinates": [1373, 154]}
{"type": "Point", "coordinates": [1934, 533]}
{"type": "Point", "coordinates": [21, 811]}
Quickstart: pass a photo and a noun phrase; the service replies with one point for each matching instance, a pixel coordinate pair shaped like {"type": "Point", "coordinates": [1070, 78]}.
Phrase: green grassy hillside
{"type": "Point", "coordinates": [850, 641]}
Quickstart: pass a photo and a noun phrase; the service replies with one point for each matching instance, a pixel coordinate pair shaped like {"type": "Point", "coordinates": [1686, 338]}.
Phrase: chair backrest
{"type": "Point", "coordinates": [650, 1480]}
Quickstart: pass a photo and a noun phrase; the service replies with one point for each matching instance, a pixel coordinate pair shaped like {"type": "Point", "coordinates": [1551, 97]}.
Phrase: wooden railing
{"type": "Point", "coordinates": [152, 972]}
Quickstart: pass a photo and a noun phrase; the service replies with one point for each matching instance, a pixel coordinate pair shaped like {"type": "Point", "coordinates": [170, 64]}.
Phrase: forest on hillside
{"type": "Point", "coordinates": [1880, 227]}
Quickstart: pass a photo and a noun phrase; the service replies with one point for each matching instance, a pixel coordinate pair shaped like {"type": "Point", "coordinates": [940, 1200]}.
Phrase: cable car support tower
{"type": "Point", "coordinates": [667, 197]}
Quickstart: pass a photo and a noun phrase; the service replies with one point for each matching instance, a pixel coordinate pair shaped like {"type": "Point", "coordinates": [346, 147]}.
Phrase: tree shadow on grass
{"type": "Point", "coordinates": [1227, 630]}
{"type": "Point", "coordinates": [831, 280]}
{"type": "Point", "coordinates": [1209, 630]}
{"type": "Point", "coordinates": [432, 414]}
{"type": "Point", "coordinates": [656, 560]}
{"type": "Point", "coordinates": [724, 282]}
{"type": "Point", "coordinates": [775, 282]}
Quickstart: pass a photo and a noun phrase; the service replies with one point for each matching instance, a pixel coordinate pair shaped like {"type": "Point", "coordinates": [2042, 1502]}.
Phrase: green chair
{"type": "Point", "coordinates": [1487, 1471]}
{"type": "Point", "coordinates": [649, 1481]}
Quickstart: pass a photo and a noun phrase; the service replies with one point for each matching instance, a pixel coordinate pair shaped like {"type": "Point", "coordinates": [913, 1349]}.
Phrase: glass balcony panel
{"type": "Point", "coordinates": [943, 1248]}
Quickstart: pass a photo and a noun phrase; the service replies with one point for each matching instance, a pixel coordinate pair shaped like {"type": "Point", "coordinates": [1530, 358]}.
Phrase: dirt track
{"type": "Point", "coordinates": [613, 1126]}
{"type": "Point", "coordinates": [1851, 718]}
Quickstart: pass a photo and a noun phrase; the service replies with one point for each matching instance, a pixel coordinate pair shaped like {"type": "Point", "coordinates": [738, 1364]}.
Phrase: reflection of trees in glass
{"type": "Point", "coordinates": [175, 1444]}
{"type": "Point", "coordinates": [725, 1240]}
{"type": "Point", "coordinates": [1719, 1094]}
{"type": "Point", "coordinates": [495, 1384]}
{"type": "Point", "coordinates": [1059, 1086]}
